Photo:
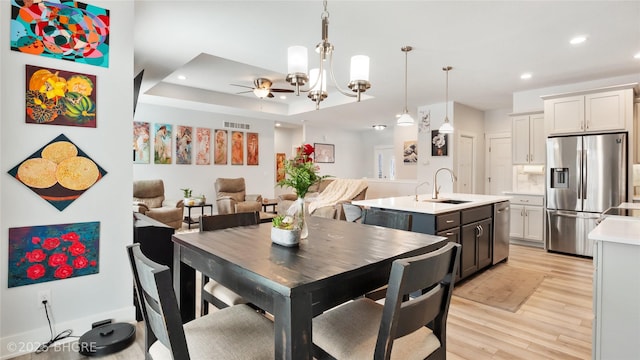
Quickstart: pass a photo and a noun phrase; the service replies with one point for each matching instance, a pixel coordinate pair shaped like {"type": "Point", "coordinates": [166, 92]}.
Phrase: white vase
{"type": "Point", "coordinates": [284, 237]}
{"type": "Point", "coordinates": [304, 232]}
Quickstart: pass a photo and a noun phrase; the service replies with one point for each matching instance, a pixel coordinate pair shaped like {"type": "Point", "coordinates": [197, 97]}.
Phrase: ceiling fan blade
{"type": "Point", "coordinates": [245, 92]}
{"type": "Point", "coordinates": [282, 90]}
{"type": "Point", "coordinates": [270, 95]}
{"type": "Point", "coordinates": [244, 86]}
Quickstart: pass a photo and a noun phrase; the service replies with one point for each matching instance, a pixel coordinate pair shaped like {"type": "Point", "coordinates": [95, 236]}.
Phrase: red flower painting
{"type": "Point", "coordinates": [46, 253]}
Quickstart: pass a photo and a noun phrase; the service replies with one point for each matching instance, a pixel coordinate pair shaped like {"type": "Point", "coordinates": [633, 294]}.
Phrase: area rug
{"type": "Point", "coordinates": [503, 286]}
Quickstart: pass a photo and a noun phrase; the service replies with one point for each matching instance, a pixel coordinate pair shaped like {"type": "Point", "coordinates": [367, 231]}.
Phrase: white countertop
{"type": "Point", "coordinates": [626, 205]}
{"type": "Point", "coordinates": [619, 229]}
{"type": "Point", "coordinates": [408, 203]}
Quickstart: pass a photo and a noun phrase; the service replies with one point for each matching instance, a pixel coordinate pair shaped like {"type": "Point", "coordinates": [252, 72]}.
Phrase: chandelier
{"type": "Point", "coordinates": [298, 65]}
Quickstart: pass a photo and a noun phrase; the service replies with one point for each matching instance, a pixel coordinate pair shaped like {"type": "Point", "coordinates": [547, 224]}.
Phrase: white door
{"type": "Point", "coordinates": [384, 163]}
{"type": "Point", "coordinates": [499, 166]}
{"type": "Point", "coordinates": [465, 165]}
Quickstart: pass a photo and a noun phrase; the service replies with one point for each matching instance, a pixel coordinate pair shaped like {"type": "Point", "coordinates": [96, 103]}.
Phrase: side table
{"type": "Point", "coordinates": [188, 220]}
{"type": "Point", "coordinates": [269, 202]}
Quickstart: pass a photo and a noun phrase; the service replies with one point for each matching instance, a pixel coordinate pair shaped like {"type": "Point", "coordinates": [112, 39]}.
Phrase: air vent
{"type": "Point", "coordinates": [236, 125]}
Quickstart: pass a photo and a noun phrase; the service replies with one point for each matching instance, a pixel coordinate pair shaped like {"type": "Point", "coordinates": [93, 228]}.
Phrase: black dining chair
{"type": "Point", "coordinates": [211, 291]}
{"type": "Point", "coordinates": [390, 219]}
{"type": "Point", "coordinates": [415, 328]}
{"type": "Point", "coordinates": [236, 332]}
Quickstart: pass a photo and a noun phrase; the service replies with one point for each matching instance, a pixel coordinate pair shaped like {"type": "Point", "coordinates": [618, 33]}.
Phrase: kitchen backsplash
{"type": "Point", "coordinates": [528, 179]}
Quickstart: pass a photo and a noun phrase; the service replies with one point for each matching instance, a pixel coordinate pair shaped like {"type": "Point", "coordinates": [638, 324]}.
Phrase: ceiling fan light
{"type": "Point", "coordinates": [261, 93]}
{"type": "Point", "coordinates": [313, 75]}
{"type": "Point", "coordinates": [359, 68]}
{"type": "Point", "coordinates": [405, 120]}
{"type": "Point", "coordinates": [297, 59]}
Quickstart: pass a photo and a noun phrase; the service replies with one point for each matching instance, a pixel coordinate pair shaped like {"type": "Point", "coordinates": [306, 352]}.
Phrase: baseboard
{"type": "Point", "coordinates": [28, 342]}
{"type": "Point", "coordinates": [526, 243]}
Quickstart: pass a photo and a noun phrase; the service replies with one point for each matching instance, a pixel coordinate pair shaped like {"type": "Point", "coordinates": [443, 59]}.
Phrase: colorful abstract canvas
{"type": "Point", "coordinates": [58, 97]}
{"type": "Point", "coordinates": [141, 140]}
{"type": "Point", "coordinates": [253, 150]}
{"type": "Point", "coordinates": [203, 145]}
{"type": "Point", "coordinates": [183, 144]}
{"type": "Point", "coordinates": [54, 252]}
{"type": "Point", "coordinates": [58, 172]}
{"type": "Point", "coordinates": [162, 143]}
{"type": "Point", "coordinates": [61, 29]}
{"type": "Point", "coordinates": [220, 148]}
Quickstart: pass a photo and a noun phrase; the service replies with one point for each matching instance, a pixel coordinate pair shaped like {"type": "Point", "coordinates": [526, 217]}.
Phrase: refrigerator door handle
{"type": "Point", "coordinates": [566, 214]}
{"type": "Point", "coordinates": [584, 174]}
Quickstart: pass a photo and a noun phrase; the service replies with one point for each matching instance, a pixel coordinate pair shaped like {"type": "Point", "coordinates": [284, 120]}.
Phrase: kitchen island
{"type": "Point", "coordinates": [477, 222]}
{"type": "Point", "coordinates": [616, 286]}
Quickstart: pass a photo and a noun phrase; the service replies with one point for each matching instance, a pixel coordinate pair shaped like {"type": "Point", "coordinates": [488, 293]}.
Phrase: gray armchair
{"type": "Point", "coordinates": [231, 197]}
{"type": "Point", "coordinates": [148, 199]}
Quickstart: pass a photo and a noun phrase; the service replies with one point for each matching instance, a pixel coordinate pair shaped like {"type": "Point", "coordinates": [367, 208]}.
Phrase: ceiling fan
{"type": "Point", "coordinates": [262, 88]}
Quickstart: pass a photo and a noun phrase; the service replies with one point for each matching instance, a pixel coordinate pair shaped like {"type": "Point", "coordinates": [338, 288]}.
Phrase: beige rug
{"type": "Point", "coordinates": [502, 286]}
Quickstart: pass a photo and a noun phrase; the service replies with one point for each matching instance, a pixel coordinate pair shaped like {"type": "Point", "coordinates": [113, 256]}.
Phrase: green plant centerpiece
{"type": "Point", "coordinates": [300, 173]}
{"type": "Point", "coordinates": [286, 230]}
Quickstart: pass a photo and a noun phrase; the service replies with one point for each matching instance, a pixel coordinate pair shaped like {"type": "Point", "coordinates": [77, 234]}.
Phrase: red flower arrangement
{"type": "Point", "coordinates": [300, 172]}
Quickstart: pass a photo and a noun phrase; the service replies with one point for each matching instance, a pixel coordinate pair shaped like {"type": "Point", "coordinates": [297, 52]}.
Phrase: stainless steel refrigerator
{"type": "Point", "coordinates": [586, 175]}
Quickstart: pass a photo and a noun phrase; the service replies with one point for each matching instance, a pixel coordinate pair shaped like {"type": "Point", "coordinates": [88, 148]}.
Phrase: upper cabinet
{"type": "Point", "coordinates": [528, 138]}
{"type": "Point", "coordinates": [600, 110]}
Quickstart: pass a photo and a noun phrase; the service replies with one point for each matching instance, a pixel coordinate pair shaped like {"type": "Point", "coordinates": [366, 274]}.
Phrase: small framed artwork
{"type": "Point", "coordinates": [141, 141]}
{"type": "Point", "coordinates": [325, 153]}
{"type": "Point", "coordinates": [162, 144]}
{"type": "Point", "coordinates": [203, 145]}
{"type": "Point", "coordinates": [410, 152]}
{"type": "Point", "coordinates": [220, 147]}
{"type": "Point", "coordinates": [438, 143]}
{"type": "Point", "coordinates": [184, 139]}
{"type": "Point", "coordinates": [280, 159]}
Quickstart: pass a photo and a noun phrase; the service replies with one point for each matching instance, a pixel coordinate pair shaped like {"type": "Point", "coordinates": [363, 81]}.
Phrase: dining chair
{"type": "Point", "coordinates": [211, 291]}
{"type": "Point", "coordinates": [400, 329]}
{"type": "Point", "coordinates": [352, 213]}
{"type": "Point", "coordinates": [236, 332]}
{"type": "Point", "coordinates": [390, 219]}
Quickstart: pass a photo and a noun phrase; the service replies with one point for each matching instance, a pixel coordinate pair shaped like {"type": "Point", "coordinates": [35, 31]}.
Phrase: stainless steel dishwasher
{"type": "Point", "coordinates": [501, 222]}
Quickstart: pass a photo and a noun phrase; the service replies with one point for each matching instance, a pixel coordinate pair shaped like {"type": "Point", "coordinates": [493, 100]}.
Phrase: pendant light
{"type": "Point", "coordinates": [446, 127]}
{"type": "Point", "coordinates": [405, 119]}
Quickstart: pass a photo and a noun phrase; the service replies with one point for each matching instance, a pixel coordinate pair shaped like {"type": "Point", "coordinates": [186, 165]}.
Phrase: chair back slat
{"type": "Point", "coordinates": [433, 274]}
{"type": "Point", "coordinates": [388, 219]}
{"type": "Point", "coordinates": [352, 213]}
{"type": "Point", "coordinates": [224, 221]}
{"type": "Point", "coordinates": [158, 302]}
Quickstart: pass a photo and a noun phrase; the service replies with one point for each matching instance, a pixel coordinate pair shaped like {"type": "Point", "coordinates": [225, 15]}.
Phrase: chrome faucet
{"type": "Point", "coordinates": [436, 188]}
{"type": "Point", "coordinates": [416, 191]}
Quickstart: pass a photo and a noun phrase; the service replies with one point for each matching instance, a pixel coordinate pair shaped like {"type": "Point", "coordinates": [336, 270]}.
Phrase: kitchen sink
{"type": "Point", "coordinates": [447, 201]}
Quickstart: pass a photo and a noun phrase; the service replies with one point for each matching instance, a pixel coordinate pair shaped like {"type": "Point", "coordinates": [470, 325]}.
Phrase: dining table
{"type": "Point", "coordinates": [337, 262]}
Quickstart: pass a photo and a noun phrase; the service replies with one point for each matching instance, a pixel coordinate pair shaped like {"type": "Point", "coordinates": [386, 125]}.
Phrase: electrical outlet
{"type": "Point", "coordinates": [42, 296]}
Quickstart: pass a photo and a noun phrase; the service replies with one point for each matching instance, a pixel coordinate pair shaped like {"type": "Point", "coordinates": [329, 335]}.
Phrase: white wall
{"type": "Point", "coordinates": [79, 301]}
{"type": "Point", "coordinates": [201, 178]}
{"type": "Point", "coordinates": [497, 121]}
{"type": "Point", "coordinates": [349, 153]}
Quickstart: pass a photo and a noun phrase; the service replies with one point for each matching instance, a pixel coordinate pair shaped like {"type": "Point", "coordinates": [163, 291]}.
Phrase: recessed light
{"type": "Point", "coordinates": [283, 97]}
{"type": "Point", "coordinates": [182, 77]}
{"type": "Point", "coordinates": [525, 76]}
{"type": "Point", "coordinates": [379, 127]}
{"type": "Point", "coordinates": [636, 56]}
{"type": "Point", "coordinates": [278, 124]}
{"type": "Point", "coordinates": [578, 40]}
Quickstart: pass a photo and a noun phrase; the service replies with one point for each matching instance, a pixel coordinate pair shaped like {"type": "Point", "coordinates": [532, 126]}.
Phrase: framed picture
{"type": "Point", "coordinates": [184, 139]}
{"type": "Point", "coordinates": [237, 150]}
{"type": "Point", "coordinates": [253, 152]}
{"type": "Point", "coordinates": [438, 143]}
{"type": "Point", "coordinates": [280, 159]}
{"type": "Point", "coordinates": [141, 141]}
{"type": "Point", "coordinates": [220, 147]}
{"type": "Point", "coordinates": [162, 144]}
{"type": "Point", "coordinates": [410, 152]}
{"type": "Point", "coordinates": [203, 146]}
{"type": "Point", "coordinates": [325, 153]}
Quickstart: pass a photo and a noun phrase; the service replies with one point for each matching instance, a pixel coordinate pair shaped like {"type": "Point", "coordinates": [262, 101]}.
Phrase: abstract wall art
{"type": "Point", "coordinates": [61, 29]}
{"type": "Point", "coordinates": [59, 172]}
{"type": "Point", "coordinates": [53, 252]}
{"type": "Point", "coordinates": [58, 97]}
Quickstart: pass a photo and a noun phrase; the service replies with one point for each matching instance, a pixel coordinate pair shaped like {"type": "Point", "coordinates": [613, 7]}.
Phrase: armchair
{"type": "Point", "coordinates": [149, 200]}
{"type": "Point", "coordinates": [231, 197]}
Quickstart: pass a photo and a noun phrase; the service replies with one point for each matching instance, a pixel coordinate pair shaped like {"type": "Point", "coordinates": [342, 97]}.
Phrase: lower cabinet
{"type": "Point", "coordinates": [527, 219]}
{"type": "Point", "coordinates": [476, 247]}
{"type": "Point", "coordinates": [454, 236]}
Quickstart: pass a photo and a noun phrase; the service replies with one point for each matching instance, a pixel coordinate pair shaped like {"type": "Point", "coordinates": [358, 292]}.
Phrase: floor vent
{"type": "Point", "coordinates": [236, 125]}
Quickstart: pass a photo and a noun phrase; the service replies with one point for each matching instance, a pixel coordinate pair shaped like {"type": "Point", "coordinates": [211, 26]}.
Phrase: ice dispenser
{"type": "Point", "coordinates": [559, 178]}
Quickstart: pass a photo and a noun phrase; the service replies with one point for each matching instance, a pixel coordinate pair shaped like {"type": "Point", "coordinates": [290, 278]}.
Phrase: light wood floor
{"type": "Point", "coordinates": [554, 323]}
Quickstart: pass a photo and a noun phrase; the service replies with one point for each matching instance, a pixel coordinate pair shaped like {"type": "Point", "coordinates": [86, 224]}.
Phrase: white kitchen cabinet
{"type": "Point", "coordinates": [527, 219]}
{"type": "Point", "coordinates": [594, 111]}
{"type": "Point", "coordinates": [528, 138]}
{"type": "Point", "coordinates": [616, 289]}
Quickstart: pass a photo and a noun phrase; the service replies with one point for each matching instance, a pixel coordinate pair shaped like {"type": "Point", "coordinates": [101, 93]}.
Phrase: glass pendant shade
{"type": "Point", "coordinates": [405, 120]}
{"type": "Point", "coordinates": [359, 68]}
{"type": "Point", "coordinates": [313, 75]}
{"type": "Point", "coordinates": [261, 93]}
{"type": "Point", "coordinates": [446, 127]}
{"type": "Point", "coordinates": [297, 59]}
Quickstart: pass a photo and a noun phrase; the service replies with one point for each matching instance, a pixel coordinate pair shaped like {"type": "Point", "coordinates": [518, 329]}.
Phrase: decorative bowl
{"type": "Point", "coordinates": [284, 237]}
